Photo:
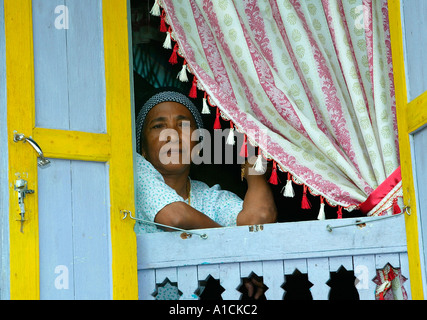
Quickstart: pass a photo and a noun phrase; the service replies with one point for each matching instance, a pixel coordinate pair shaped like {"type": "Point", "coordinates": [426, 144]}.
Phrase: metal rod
{"type": "Point", "coordinates": [330, 228]}
{"type": "Point", "coordinates": [126, 212]}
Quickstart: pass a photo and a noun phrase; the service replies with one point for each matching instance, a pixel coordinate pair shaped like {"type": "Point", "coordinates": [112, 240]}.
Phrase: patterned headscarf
{"type": "Point", "coordinates": [164, 96]}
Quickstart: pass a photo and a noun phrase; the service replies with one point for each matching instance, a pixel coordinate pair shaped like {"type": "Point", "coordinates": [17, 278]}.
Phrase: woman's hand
{"type": "Point", "coordinates": [258, 206]}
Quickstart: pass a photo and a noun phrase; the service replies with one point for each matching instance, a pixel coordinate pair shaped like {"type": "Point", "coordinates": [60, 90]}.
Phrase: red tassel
{"type": "Point", "coordinates": [244, 148]}
{"type": "Point", "coordinates": [274, 179]}
{"type": "Point", "coordinates": [217, 123]}
{"type": "Point", "coordinates": [174, 59]}
{"type": "Point", "coordinates": [193, 91]}
{"type": "Point", "coordinates": [396, 208]}
{"type": "Point", "coordinates": [339, 212]}
{"type": "Point", "coordinates": [163, 27]}
{"type": "Point", "coordinates": [305, 203]}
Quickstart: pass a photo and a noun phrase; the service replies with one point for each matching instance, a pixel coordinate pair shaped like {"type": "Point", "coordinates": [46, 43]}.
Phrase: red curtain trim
{"type": "Point", "coordinates": [381, 192]}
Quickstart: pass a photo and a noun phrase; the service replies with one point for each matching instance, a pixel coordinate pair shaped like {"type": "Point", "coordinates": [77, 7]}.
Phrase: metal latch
{"type": "Point", "coordinates": [21, 186]}
{"type": "Point", "coordinates": [42, 161]}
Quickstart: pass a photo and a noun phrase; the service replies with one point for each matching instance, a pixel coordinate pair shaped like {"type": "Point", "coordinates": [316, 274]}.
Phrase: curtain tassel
{"type": "Point", "coordinates": [274, 179]}
{"type": "Point", "coordinates": [193, 91]}
{"type": "Point", "coordinates": [155, 10]}
{"type": "Point", "coordinates": [205, 109]}
{"type": "Point", "coordinates": [230, 138]}
{"type": "Point", "coordinates": [217, 123]}
{"type": "Point", "coordinates": [182, 75]}
{"type": "Point", "coordinates": [339, 212]}
{"type": "Point", "coordinates": [288, 190]}
{"type": "Point", "coordinates": [163, 27]}
{"type": "Point", "coordinates": [174, 58]}
{"type": "Point", "coordinates": [396, 208]}
{"type": "Point", "coordinates": [259, 165]}
{"type": "Point", "coordinates": [167, 44]}
{"type": "Point", "coordinates": [305, 203]}
{"type": "Point", "coordinates": [321, 215]}
{"type": "Point", "coordinates": [244, 148]}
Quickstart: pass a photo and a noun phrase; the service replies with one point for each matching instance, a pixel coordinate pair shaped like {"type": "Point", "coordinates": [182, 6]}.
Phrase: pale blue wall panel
{"type": "Point", "coordinates": [420, 171]}
{"type": "Point", "coordinates": [69, 65]}
{"type": "Point", "coordinates": [56, 231]}
{"type": "Point", "coordinates": [91, 230]}
{"type": "Point", "coordinates": [415, 26]}
{"type": "Point", "coordinates": [50, 66]}
{"type": "Point", "coordinates": [74, 231]}
{"type": "Point", "coordinates": [4, 188]}
{"type": "Point", "coordinates": [86, 68]}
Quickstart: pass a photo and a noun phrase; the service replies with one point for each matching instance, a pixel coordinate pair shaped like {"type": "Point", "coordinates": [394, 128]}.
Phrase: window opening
{"type": "Point", "coordinates": [342, 285]}
{"type": "Point", "coordinates": [297, 286]}
{"type": "Point", "coordinates": [167, 290]}
{"type": "Point", "coordinates": [153, 70]}
{"type": "Point", "coordinates": [252, 288]}
{"type": "Point", "coordinates": [210, 289]}
{"type": "Point", "coordinates": [389, 281]}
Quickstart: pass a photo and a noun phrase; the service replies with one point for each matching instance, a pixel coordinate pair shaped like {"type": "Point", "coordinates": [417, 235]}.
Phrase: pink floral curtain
{"type": "Point", "coordinates": [310, 83]}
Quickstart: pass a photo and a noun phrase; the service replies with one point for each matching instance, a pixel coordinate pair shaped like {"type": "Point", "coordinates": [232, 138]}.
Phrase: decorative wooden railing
{"type": "Point", "coordinates": [317, 249]}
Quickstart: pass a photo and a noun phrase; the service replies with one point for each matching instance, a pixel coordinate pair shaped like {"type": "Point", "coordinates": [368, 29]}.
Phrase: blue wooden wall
{"type": "Point", "coordinates": [415, 38]}
{"type": "Point", "coordinates": [415, 48]}
{"type": "Point", "coordinates": [4, 194]}
{"type": "Point", "coordinates": [73, 196]}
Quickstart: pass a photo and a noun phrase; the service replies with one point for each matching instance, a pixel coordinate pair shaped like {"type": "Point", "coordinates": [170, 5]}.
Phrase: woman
{"type": "Point", "coordinates": [165, 193]}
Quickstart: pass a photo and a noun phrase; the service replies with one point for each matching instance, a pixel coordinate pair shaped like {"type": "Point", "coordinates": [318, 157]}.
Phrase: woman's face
{"type": "Point", "coordinates": [166, 141]}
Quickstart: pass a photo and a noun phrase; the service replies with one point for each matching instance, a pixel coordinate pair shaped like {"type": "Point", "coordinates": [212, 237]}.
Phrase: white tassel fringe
{"type": "Point", "coordinates": [259, 166]}
{"type": "Point", "coordinates": [230, 138]}
{"type": "Point", "coordinates": [182, 75]}
{"type": "Point", "coordinates": [155, 10]}
{"type": "Point", "coordinates": [168, 41]}
{"type": "Point", "coordinates": [321, 215]}
{"type": "Point", "coordinates": [288, 190]}
{"type": "Point", "coordinates": [205, 109]}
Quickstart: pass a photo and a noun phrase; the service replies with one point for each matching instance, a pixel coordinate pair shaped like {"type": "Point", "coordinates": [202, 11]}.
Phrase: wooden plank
{"type": "Point", "coordinates": [115, 17]}
{"type": "Point", "coordinates": [414, 13]}
{"type": "Point", "coordinates": [229, 274]}
{"type": "Point", "coordinates": [381, 260]}
{"type": "Point", "coordinates": [279, 241]}
{"type": "Point", "coordinates": [247, 268]}
{"type": "Point", "coordinates": [163, 273]}
{"type": "Point", "coordinates": [404, 269]}
{"type": "Point", "coordinates": [365, 272]}
{"type": "Point", "coordinates": [187, 282]}
{"type": "Point", "coordinates": [56, 231]}
{"type": "Point", "coordinates": [292, 265]}
{"type": "Point", "coordinates": [205, 270]}
{"type": "Point", "coordinates": [91, 231]}
{"type": "Point", "coordinates": [146, 284]}
{"type": "Point", "coordinates": [403, 116]}
{"type": "Point", "coordinates": [273, 275]}
{"type": "Point", "coordinates": [417, 108]}
{"type": "Point", "coordinates": [318, 275]}
{"type": "Point", "coordinates": [86, 67]}
{"type": "Point", "coordinates": [75, 145]}
{"type": "Point", "coordinates": [50, 67]}
{"type": "Point", "coordinates": [24, 247]}
{"type": "Point", "coordinates": [4, 172]}
{"type": "Point", "coordinates": [336, 262]}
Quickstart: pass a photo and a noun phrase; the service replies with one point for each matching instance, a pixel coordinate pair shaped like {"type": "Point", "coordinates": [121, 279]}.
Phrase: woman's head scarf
{"type": "Point", "coordinates": [159, 97]}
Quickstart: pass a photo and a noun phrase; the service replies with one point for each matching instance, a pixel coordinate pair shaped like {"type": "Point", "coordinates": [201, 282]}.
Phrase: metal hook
{"type": "Point", "coordinates": [127, 212]}
{"type": "Point", "coordinates": [42, 161]}
{"type": "Point", "coordinates": [407, 210]}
